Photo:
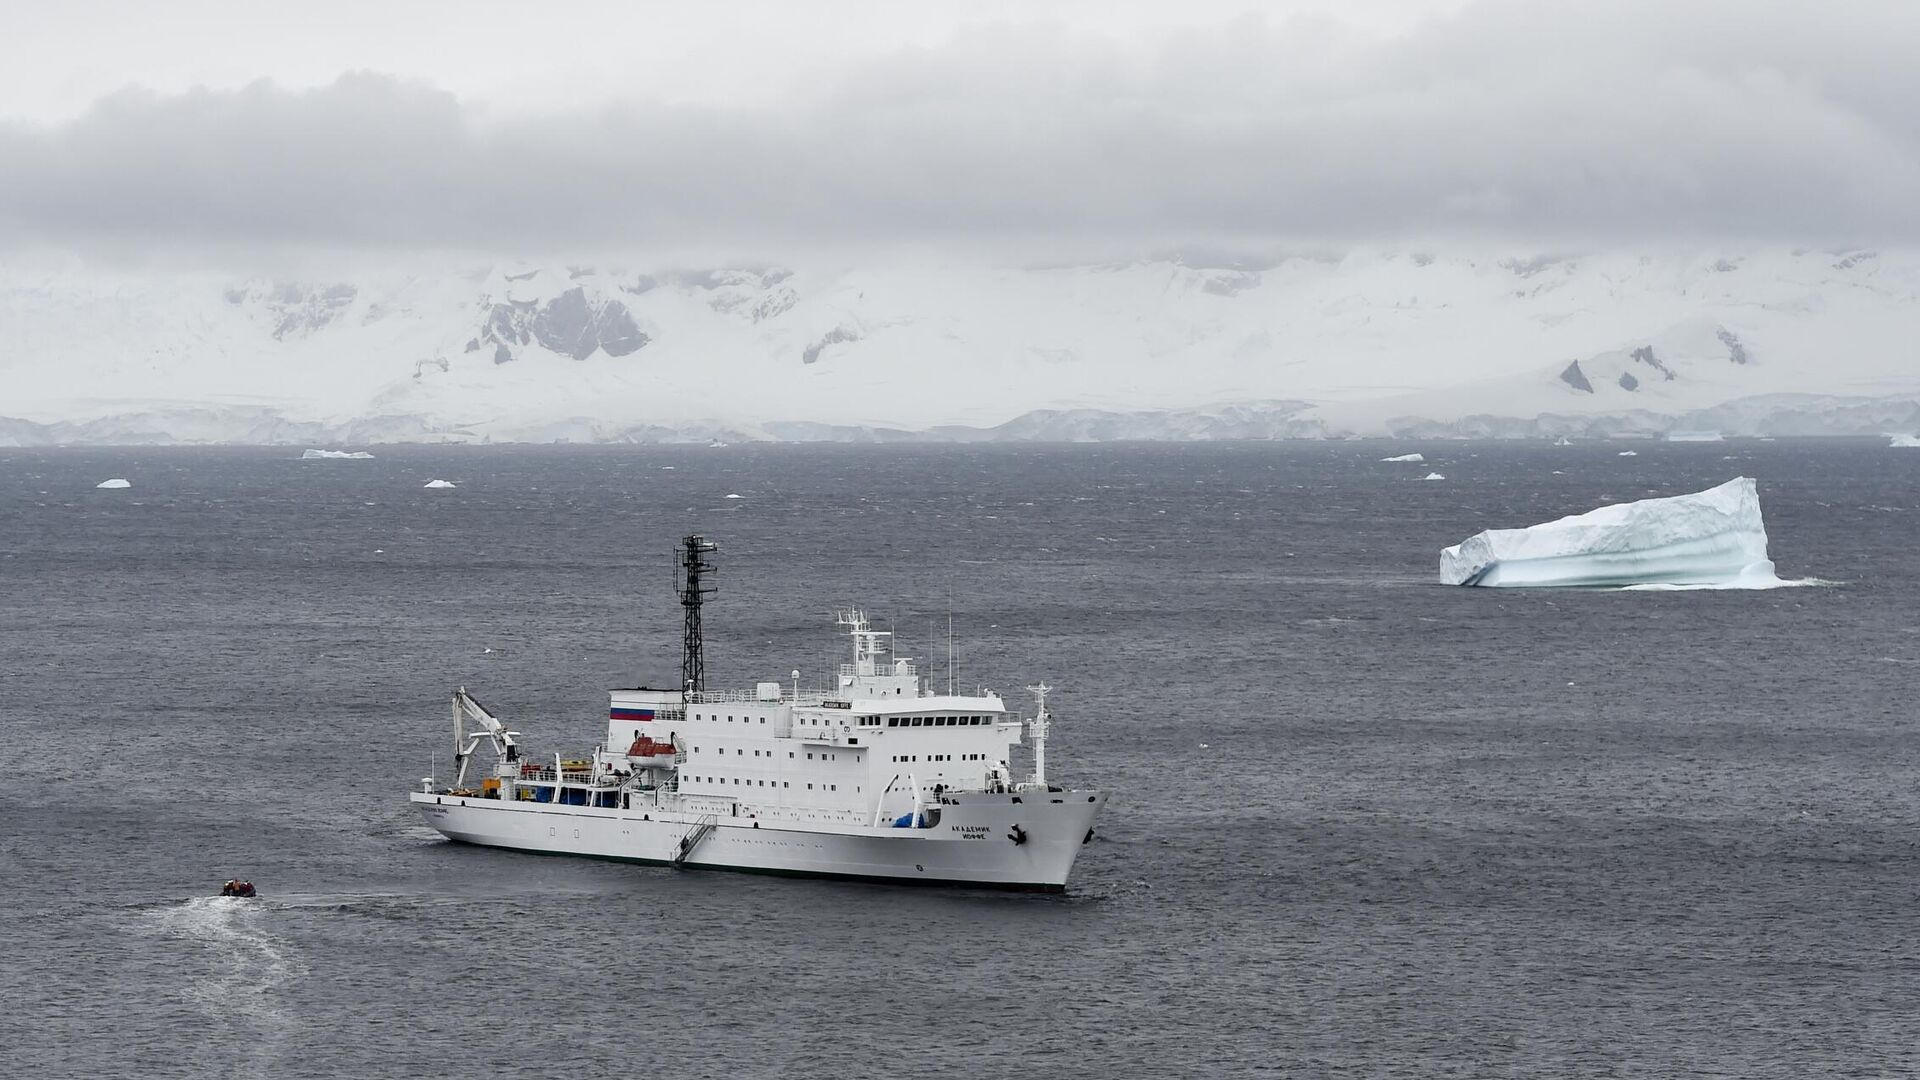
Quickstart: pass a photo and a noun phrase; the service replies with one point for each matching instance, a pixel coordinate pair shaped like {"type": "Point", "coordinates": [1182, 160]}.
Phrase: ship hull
{"type": "Point", "coordinates": [972, 844]}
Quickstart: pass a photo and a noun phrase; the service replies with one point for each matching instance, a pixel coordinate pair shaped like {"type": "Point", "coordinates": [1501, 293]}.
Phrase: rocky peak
{"type": "Point", "coordinates": [571, 324]}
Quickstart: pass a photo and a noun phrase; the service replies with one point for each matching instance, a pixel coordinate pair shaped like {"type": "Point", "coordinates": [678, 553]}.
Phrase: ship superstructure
{"type": "Point", "coordinates": [875, 777]}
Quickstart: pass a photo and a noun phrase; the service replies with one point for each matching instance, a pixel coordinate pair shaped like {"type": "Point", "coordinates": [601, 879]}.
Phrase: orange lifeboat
{"type": "Point", "coordinates": [645, 746]}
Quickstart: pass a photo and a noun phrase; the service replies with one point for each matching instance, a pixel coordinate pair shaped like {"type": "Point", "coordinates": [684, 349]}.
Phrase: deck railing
{"type": "Point", "coordinates": [788, 696]}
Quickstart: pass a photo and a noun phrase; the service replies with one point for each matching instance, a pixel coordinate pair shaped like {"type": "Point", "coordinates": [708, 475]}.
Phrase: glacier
{"type": "Point", "coordinates": [1712, 538]}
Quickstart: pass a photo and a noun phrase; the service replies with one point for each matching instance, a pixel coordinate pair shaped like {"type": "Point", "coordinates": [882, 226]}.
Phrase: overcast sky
{"type": "Point", "coordinates": [1066, 129]}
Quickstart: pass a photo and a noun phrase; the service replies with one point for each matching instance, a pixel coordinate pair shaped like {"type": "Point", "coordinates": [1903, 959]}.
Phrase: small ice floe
{"type": "Point", "coordinates": [1628, 453]}
{"type": "Point", "coordinates": [114, 484]}
{"type": "Point", "coordinates": [732, 496]}
{"type": "Point", "coordinates": [1563, 441]}
{"type": "Point", "coordinates": [335, 455]}
{"type": "Point", "coordinates": [1435, 476]}
{"type": "Point", "coordinates": [438, 484]}
{"type": "Point", "coordinates": [1904, 442]}
{"type": "Point", "coordinates": [1404, 457]}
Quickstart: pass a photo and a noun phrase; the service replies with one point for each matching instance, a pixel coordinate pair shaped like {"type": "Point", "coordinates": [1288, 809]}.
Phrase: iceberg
{"type": "Point", "coordinates": [114, 484]}
{"type": "Point", "coordinates": [1712, 538]}
{"type": "Point", "coordinates": [1435, 476]}
{"type": "Point", "coordinates": [1405, 457]}
{"type": "Point", "coordinates": [438, 484]}
{"type": "Point", "coordinates": [1628, 453]}
{"type": "Point", "coordinates": [1904, 442]}
{"type": "Point", "coordinates": [330, 455]}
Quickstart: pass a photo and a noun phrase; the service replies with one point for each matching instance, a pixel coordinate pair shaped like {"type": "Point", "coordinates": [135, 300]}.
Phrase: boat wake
{"type": "Point", "coordinates": [237, 977]}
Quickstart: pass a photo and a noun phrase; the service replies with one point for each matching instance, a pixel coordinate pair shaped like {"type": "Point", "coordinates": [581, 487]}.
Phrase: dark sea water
{"type": "Point", "coordinates": [1363, 825]}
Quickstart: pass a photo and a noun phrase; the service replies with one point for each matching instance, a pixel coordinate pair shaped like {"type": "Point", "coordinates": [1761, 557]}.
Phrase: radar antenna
{"type": "Point", "coordinates": [691, 571]}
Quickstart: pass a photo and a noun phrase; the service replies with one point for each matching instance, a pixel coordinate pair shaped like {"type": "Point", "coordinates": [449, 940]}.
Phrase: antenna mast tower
{"type": "Point", "coordinates": [690, 573]}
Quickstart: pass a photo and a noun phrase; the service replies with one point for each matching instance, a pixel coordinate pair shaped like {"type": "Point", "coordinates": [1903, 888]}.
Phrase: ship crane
{"type": "Point", "coordinates": [506, 744]}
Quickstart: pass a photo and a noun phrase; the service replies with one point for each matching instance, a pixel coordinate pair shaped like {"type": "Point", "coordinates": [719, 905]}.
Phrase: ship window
{"type": "Point", "coordinates": [809, 755]}
{"type": "Point", "coordinates": [729, 718]}
{"type": "Point", "coordinates": [789, 753]}
{"type": "Point", "coordinates": [783, 783]}
{"type": "Point", "coordinates": [763, 719]}
{"type": "Point", "coordinates": [835, 787]}
{"type": "Point", "coordinates": [809, 787]}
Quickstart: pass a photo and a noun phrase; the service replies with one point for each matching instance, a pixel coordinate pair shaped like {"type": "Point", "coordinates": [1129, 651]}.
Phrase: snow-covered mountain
{"type": "Point", "coordinates": [1767, 342]}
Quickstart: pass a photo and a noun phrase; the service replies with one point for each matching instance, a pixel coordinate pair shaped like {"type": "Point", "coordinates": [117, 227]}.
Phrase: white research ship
{"type": "Point", "coordinates": [877, 779]}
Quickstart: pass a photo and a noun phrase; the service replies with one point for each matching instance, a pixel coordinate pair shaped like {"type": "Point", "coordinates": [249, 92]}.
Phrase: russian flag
{"type": "Point", "coordinates": [629, 714]}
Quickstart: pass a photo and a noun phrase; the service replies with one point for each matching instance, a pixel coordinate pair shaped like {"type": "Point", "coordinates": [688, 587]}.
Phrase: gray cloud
{"type": "Point", "coordinates": [1628, 121]}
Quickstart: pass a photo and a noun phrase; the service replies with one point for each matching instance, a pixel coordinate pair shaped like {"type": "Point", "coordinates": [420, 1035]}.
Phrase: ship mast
{"type": "Point", "coordinates": [1038, 728]}
{"type": "Point", "coordinates": [690, 581]}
